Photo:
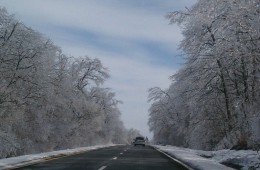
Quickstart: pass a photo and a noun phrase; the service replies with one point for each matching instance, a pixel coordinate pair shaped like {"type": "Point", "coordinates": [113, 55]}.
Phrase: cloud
{"type": "Point", "coordinates": [107, 19]}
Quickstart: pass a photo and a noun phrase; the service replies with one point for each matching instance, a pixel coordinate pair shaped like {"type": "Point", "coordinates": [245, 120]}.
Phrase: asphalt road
{"type": "Point", "coordinates": [112, 158]}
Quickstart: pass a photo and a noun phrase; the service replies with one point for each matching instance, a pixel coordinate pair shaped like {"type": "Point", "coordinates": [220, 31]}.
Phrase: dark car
{"type": "Point", "coordinates": [139, 141]}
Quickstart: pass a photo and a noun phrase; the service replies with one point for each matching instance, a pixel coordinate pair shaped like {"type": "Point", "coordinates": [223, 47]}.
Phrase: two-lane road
{"type": "Point", "coordinates": [112, 158]}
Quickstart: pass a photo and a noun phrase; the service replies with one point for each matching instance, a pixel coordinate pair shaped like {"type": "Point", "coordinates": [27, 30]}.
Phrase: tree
{"type": "Point", "coordinates": [50, 101]}
{"type": "Point", "coordinates": [86, 71]}
{"type": "Point", "coordinates": [216, 87]}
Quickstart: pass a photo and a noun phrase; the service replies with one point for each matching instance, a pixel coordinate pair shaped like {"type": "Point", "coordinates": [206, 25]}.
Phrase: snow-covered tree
{"type": "Point", "coordinates": [216, 92]}
{"type": "Point", "coordinates": [50, 101]}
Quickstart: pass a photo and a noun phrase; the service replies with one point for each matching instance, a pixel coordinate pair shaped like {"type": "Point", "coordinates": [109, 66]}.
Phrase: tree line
{"type": "Point", "coordinates": [51, 101]}
{"type": "Point", "coordinates": [213, 101]}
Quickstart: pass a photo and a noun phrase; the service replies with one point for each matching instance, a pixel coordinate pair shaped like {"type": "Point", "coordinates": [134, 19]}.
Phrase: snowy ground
{"type": "Point", "coordinates": [213, 160]}
{"type": "Point", "coordinates": [30, 159]}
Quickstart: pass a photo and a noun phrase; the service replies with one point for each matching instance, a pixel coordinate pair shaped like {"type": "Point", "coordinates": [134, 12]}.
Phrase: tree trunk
{"type": "Point", "coordinates": [225, 91]}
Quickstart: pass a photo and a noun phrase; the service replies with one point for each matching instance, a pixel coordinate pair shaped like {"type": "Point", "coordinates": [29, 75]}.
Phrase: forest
{"type": "Point", "coordinates": [51, 101]}
{"type": "Point", "coordinates": [213, 101]}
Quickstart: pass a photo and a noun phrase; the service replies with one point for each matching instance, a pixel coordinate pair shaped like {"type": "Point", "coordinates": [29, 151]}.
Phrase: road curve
{"type": "Point", "coordinates": [113, 158]}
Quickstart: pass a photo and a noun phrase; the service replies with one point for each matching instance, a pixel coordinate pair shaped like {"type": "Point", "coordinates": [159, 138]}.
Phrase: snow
{"type": "Point", "coordinates": [246, 159]}
{"type": "Point", "coordinates": [214, 160]}
{"type": "Point", "coordinates": [33, 158]}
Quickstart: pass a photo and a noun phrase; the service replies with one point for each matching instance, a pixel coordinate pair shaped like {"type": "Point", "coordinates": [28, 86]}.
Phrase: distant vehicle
{"type": "Point", "coordinates": [139, 141]}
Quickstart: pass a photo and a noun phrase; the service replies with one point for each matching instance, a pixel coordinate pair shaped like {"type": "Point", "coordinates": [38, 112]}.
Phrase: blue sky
{"type": "Point", "coordinates": [131, 37]}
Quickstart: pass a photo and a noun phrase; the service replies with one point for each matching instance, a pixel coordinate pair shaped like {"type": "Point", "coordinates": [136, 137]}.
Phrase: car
{"type": "Point", "coordinates": [139, 141]}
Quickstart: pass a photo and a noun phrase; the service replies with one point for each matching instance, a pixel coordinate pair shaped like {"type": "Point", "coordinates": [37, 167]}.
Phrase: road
{"type": "Point", "coordinates": [112, 158]}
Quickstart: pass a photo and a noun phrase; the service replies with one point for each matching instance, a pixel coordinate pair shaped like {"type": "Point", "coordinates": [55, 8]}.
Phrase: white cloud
{"type": "Point", "coordinates": [100, 17]}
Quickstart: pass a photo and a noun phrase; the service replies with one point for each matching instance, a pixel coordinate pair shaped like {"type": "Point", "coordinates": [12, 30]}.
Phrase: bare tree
{"type": "Point", "coordinates": [217, 86]}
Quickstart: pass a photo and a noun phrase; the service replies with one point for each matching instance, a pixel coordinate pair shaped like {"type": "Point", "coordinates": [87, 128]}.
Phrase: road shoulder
{"type": "Point", "coordinates": [190, 159]}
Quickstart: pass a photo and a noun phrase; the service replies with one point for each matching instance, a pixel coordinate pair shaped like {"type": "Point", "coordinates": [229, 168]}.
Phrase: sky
{"type": "Point", "coordinates": [132, 38]}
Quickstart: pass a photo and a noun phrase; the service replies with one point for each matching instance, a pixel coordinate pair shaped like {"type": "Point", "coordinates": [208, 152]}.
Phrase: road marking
{"type": "Point", "coordinates": [115, 158]}
{"type": "Point", "coordinates": [176, 160]}
{"type": "Point", "coordinates": [103, 167]}
{"type": "Point", "coordinates": [121, 153]}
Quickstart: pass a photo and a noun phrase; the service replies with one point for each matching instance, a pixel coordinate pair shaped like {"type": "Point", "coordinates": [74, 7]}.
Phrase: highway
{"type": "Point", "coordinates": [123, 157]}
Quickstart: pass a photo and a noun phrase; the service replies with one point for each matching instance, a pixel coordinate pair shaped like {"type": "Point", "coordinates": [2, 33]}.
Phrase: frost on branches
{"type": "Point", "coordinates": [214, 99]}
{"type": "Point", "coordinates": [49, 101]}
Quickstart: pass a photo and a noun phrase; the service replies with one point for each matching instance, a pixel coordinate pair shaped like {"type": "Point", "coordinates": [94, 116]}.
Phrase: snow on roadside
{"type": "Point", "coordinates": [25, 159]}
{"type": "Point", "coordinates": [242, 159]}
{"type": "Point", "coordinates": [205, 160]}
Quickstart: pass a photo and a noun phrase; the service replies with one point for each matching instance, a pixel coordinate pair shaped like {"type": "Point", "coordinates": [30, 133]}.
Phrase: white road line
{"type": "Point", "coordinates": [115, 158]}
{"type": "Point", "coordinates": [121, 153]}
{"type": "Point", "coordinates": [103, 167]}
{"type": "Point", "coordinates": [186, 166]}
